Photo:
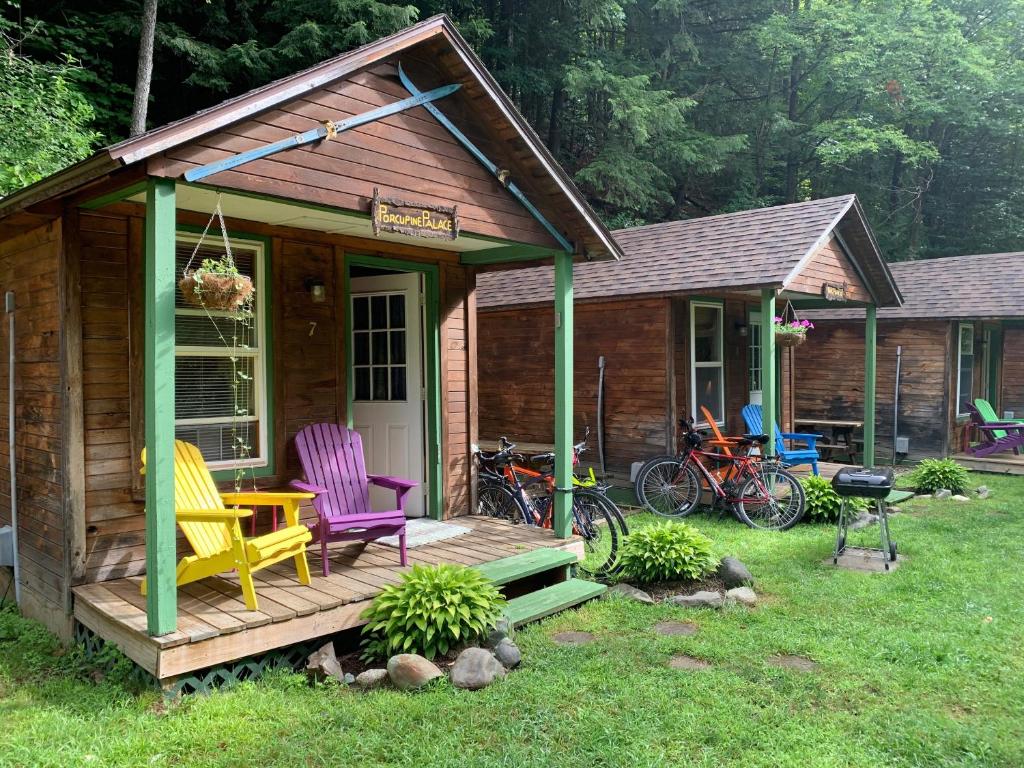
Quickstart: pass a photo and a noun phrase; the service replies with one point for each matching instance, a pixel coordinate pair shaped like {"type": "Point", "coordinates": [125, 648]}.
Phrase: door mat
{"type": "Point", "coordinates": [422, 530]}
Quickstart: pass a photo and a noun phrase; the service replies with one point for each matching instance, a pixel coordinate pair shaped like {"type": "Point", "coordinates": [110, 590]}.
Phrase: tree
{"type": "Point", "coordinates": [144, 74]}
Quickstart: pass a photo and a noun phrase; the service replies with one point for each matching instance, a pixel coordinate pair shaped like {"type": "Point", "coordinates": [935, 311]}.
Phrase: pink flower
{"type": "Point", "coordinates": [776, 319]}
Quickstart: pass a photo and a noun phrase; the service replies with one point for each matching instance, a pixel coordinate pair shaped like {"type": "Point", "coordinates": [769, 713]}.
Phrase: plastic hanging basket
{"type": "Point", "coordinates": [790, 339]}
{"type": "Point", "coordinates": [213, 291]}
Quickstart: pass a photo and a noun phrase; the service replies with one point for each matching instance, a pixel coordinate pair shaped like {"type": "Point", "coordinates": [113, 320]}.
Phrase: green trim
{"type": "Point", "coordinates": [114, 197]}
{"type": "Point", "coordinates": [266, 283]}
{"type": "Point", "coordinates": [432, 336]}
{"type": "Point", "coordinates": [563, 395]}
{"type": "Point", "coordinates": [507, 253]}
{"type": "Point", "coordinates": [158, 397]}
{"type": "Point", "coordinates": [870, 360]}
{"type": "Point", "coordinates": [823, 304]}
{"type": "Point", "coordinates": [769, 368]}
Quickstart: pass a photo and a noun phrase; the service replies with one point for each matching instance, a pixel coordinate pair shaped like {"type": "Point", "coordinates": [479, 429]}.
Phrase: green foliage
{"type": "Point", "coordinates": [823, 503]}
{"type": "Point", "coordinates": [432, 609]}
{"type": "Point", "coordinates": [668, 551]}
{"type": "Point", "coordinates": [933, 474]}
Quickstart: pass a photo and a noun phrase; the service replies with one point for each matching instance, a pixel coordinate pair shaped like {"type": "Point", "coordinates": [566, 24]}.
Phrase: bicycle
{"type": "Point", "coordinates": [509, 490]}
{"type": "Point", "coordinates": [755, 488]}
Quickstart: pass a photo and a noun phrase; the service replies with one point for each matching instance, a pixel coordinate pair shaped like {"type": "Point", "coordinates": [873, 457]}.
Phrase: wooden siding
{"type": "Point", "coordinates": [29, 266]}
{"type": "Point", "coordinates": [408, 155]}
{"type": "Point", "coordinates": [309, 372]}
{"type": "Point", "coordinates": [829, 382]}
{"type": "Point", "coordinates": [1012, 378]}
{"type": "Point", "coordinates": [516, 379]}
{"type": "Point", "coordinates": [829, 265]}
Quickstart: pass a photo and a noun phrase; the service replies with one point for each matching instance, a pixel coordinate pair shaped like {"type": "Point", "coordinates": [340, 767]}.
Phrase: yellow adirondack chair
{"type": "Point", "coordinates": [214, 531]}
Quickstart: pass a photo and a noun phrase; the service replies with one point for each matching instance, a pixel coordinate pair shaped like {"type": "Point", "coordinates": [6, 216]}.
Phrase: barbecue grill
{"type": "Point", "coordinates": [867, 482]}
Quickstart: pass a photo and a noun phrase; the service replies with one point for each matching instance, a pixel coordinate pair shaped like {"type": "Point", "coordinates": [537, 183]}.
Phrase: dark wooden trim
{"type": "Point", "coordinates": [136, 372]}
{"type": "Point", "coordinates": [276, 309]}
{"type": "Point", "coordinates": [672, 410]}
{"type": "Point", "coordinates": [473, 405]}
{"type": "Point", "coordinates": [340, 311]}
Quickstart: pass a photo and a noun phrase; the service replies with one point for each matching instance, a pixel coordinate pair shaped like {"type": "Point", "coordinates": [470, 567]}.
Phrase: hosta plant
{"type": "Point", "coordinates": [932, 475]}
{"type": "Point", "coordinates": [668, 551]}
{"type": "Point", "coordinates": [430, 611]}
{"type": "Point", "coordinates": [823, 503]}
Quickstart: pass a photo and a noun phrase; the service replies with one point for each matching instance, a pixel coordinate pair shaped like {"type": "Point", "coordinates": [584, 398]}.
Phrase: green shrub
{"type": "Point", "coordinates": [823, 502]}
{"type": "Point", "coordinates": [667, 551]}
{"type": "Point", "coordinates": [430, 611]}
{"type": "Point", "coordinates": [933, 474]}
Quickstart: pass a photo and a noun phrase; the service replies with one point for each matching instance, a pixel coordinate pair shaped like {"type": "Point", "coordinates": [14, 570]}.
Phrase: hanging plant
{"type": "Point", "coordinates": [791, 334]}
{"type": "Point", "coordinates": [216, 284]}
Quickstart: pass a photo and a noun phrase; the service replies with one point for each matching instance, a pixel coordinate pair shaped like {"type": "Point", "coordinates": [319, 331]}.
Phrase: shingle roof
{"type": "Point", "coordinates": [760, 248]}
{"type": "Point", "coordinates": [981, 285]}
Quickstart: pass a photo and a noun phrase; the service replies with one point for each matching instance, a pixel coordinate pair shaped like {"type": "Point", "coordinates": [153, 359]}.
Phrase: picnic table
{"type": "Point", "coordinates": [840, 437]}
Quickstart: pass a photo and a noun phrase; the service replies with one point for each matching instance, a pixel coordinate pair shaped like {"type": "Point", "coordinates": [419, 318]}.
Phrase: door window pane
{"type": "Point", "coordinates": [380, 351]}
{"type": "Point", "coordinates": [965, 374]}
{"type": "Point", "coordinates": [707, 334]}
{"type": "Point", "coordinates": [708, 383]}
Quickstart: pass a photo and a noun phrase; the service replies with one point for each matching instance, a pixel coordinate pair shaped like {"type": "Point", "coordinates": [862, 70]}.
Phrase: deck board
{"type": "Point", "coordinates": [214, 626]}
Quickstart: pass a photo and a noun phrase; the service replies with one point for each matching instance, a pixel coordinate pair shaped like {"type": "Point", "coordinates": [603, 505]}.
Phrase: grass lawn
{"type": "Point", "coordinates": [921, 667]}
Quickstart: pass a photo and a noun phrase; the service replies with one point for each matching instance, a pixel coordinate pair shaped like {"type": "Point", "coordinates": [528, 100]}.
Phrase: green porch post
{"type": "Point", "coordinates": [768, 368]}
{"type": "Point", "coordinates": [870, 331]}
{"type": "Point", "coordinates": [563, 394]}
{"type": "Point", "coordinates": [158, 396]}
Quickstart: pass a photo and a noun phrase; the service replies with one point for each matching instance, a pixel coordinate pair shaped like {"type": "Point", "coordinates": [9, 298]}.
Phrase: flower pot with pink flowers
{"type": "Point", "coordinates": [792, 333]}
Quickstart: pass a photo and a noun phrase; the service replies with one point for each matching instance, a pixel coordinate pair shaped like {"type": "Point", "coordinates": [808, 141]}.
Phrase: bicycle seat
{"type": "Point", "coordinates": [752, 439]}
{"type": "Point", "coordinates": [542, 458]}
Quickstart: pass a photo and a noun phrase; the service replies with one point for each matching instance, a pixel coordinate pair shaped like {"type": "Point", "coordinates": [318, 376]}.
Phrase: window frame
{"type": "Point", "coordinates": [263, 374]}
{"type": "Point", "coordinates": [719, 307]}
{"type": "Point", "coordinates": [754, 319]}
{"type": "Point", "coordinates": [961, 327]}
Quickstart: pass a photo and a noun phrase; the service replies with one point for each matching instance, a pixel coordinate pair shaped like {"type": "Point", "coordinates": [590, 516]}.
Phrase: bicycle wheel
{"type": "Point", "coordinates": [599, 522]}
{"type": "Point", "coordinates": [495, 499]}
{"type": "Point", "coordinates": [667, 487]}
{"type": "Point", "coordinates": [772, 499]}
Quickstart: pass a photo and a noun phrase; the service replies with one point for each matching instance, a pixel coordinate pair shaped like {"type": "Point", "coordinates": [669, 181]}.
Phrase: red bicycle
{"type": "Point", "coordinates": [756, 488]}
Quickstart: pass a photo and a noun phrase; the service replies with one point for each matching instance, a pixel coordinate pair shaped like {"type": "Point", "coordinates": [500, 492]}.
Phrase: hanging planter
{"type": "Point", "coordinates": [791, 334]}
{"type": "Point", "coordinates": [216, 284]}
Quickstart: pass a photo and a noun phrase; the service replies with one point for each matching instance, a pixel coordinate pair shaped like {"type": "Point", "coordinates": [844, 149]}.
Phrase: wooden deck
{"type": "Point", "coordinates": [214, 625]}
{"type": "Point", "coordinates": [1000, 463]}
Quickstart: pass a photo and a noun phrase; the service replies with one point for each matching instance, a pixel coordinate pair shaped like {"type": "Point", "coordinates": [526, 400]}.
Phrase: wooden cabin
{"type": "Point", "coordinates": [680, 322]}
{"type": "Point", "coordinates": [391, 212]}
{"type": "Point", "coordinates": [960, 332]}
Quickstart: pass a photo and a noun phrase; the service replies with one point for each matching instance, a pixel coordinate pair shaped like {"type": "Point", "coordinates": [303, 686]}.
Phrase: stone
{"type": "Point", "coordinates": [676, 628]}
{"type": "Point", "coordinates": [983, 492]}
{"type": "Point", "coordinates": [688, 662]}
{"type": "Point", "coordinates": [702, 599]}
{"type": "Point", "coordinates": [893, 510]}
{"type": "Point", "coordinates": [323, 664]}
{"type": "Point", "coordinates": [744, 595]}
{"type": "Point", "coordinates": [942, 493]}
{"type": "Point", "coordinates": [508, 653]}
{"type": "Point", "coordinates": [789, 661]}
{"type": "Point", "coordinates": [573, 638]}
{"type": "Point", "coordinates": [959, 497]}
{"type": "Point", "coordinates": [475, 668]}
{"type": "Point", "coordinates": [501, 630]}
{"type": "Point", "coordinates": [349, 678]}
{"type": "Point", "coordinates": [372, 678]}
{"type": "Point", "coordinates": [734, 573]}
{"type": "Point", "coordinates": [630, 592]}
{"type": "Point", "coordinates": [409, 671]}
{"type": "Point", "coordinates": [864, 520]}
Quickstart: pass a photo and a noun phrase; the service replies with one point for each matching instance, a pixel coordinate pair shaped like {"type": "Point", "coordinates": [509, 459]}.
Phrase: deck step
{"type": "Point", "coordinates": [517, 567]}
{"type": "Point", "coordinates": [553, 599]}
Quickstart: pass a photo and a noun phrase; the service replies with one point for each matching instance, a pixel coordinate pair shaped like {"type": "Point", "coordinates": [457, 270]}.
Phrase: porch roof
{"type": "Point", "coordinates": [744, 251]}
{"type": "Point", "coordinates": [532, 166]}
{"type": "Point", "coordinates": [980, 285]}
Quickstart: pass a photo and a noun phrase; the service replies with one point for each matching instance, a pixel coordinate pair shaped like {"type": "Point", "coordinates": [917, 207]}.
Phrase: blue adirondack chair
{"type": "Point", "coordinates": [789, 456]}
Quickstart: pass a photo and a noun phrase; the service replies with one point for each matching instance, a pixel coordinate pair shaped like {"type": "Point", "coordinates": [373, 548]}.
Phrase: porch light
{"type": "Point", "coordinates": [316, 289]}
{"type": "Point", "coordinates": [741, 328]}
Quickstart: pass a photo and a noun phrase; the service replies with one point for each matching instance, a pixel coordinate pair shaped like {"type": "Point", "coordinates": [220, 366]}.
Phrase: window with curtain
{"type": "Point", "coordinates": [965, 370]}
{"type": "Point", "coordinates": [707, 369]}
{"type": "Point", "coordinates": [220, 387]}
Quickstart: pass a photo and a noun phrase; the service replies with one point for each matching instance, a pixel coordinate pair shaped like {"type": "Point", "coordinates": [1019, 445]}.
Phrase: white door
{"type": "Point", "coordinates": [755, 339]}
{"type": "Point", "coordinates": [387, 381]}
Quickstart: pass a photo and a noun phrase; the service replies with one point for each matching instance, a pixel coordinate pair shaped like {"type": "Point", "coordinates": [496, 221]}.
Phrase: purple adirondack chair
{"type": "Point", "coordinates": [332, 461]}
{"type": "Point", "coordinates": [995, 437]}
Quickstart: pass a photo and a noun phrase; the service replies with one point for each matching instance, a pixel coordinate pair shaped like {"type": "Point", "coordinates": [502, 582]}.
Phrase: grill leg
{"type": "Point", "coordinates": [840, 534]}
{"type": "Point", "coordinates": [883, 530]}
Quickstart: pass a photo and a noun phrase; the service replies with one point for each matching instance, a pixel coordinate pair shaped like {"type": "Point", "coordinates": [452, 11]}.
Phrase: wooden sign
{"type": "Point", "coordinates": [834, 291]}
{"type": "Point", "coordinates": [391, 214]}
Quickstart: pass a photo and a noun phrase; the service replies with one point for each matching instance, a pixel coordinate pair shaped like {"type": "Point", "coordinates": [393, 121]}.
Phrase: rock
{"type": "Point", "coordinates": [508, 653]}
{"type": "Point", "coordinates": [372, 678]}
{"type": "Point", "coordinates": [959, 497]}
{"type": "Point", "coordinates": [688, 662]}
{"type": "Point", "coordinates": [702, 599]}
{"type": "Point", "coordinates": [676, 628]}
{"type": "Point", "coordinates": [942, 493]}
{"type": "Point", "coordinates": [410, 670]}
{"type": "Point", "coordinates": [744, 595]}
{"type": "Point", "coordinates": [632, 593]}
{"type": "Point", "coordinates": [983, 492]}
{"type": "Point", "coordinates": [501, 630]}
{"type": "Point", "coordinates": [323, 664]}
{"type": "Point", "coordinates": [864, 519]}
{"type": "Point", "coordinates": [475, 668]}
{"type": "Point", "coordinates": [734, 573]}
{"type": "Point", "coordinates": [893, 510]}
{"type": "Point", "coordinates": [790, 661]}
{"type": "Point", "coordinates": [349, 678]}
{"type": "Point", "coordinates": [573, 638]}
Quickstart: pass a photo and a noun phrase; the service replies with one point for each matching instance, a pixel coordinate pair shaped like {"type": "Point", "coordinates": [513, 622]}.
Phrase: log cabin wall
{"type": "Point", "coordinates": [309, 380]}
{"type": "Point", "coordinates": [516, 364]}
{"type": "Point", "coordinates": [827, 386]}
{"type": "Point", "coordinates": [30, 266]}
{"type": "Point", "coordinates": [1012, 374]}
{"type": "Point", "coordinates": [830, 265]}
